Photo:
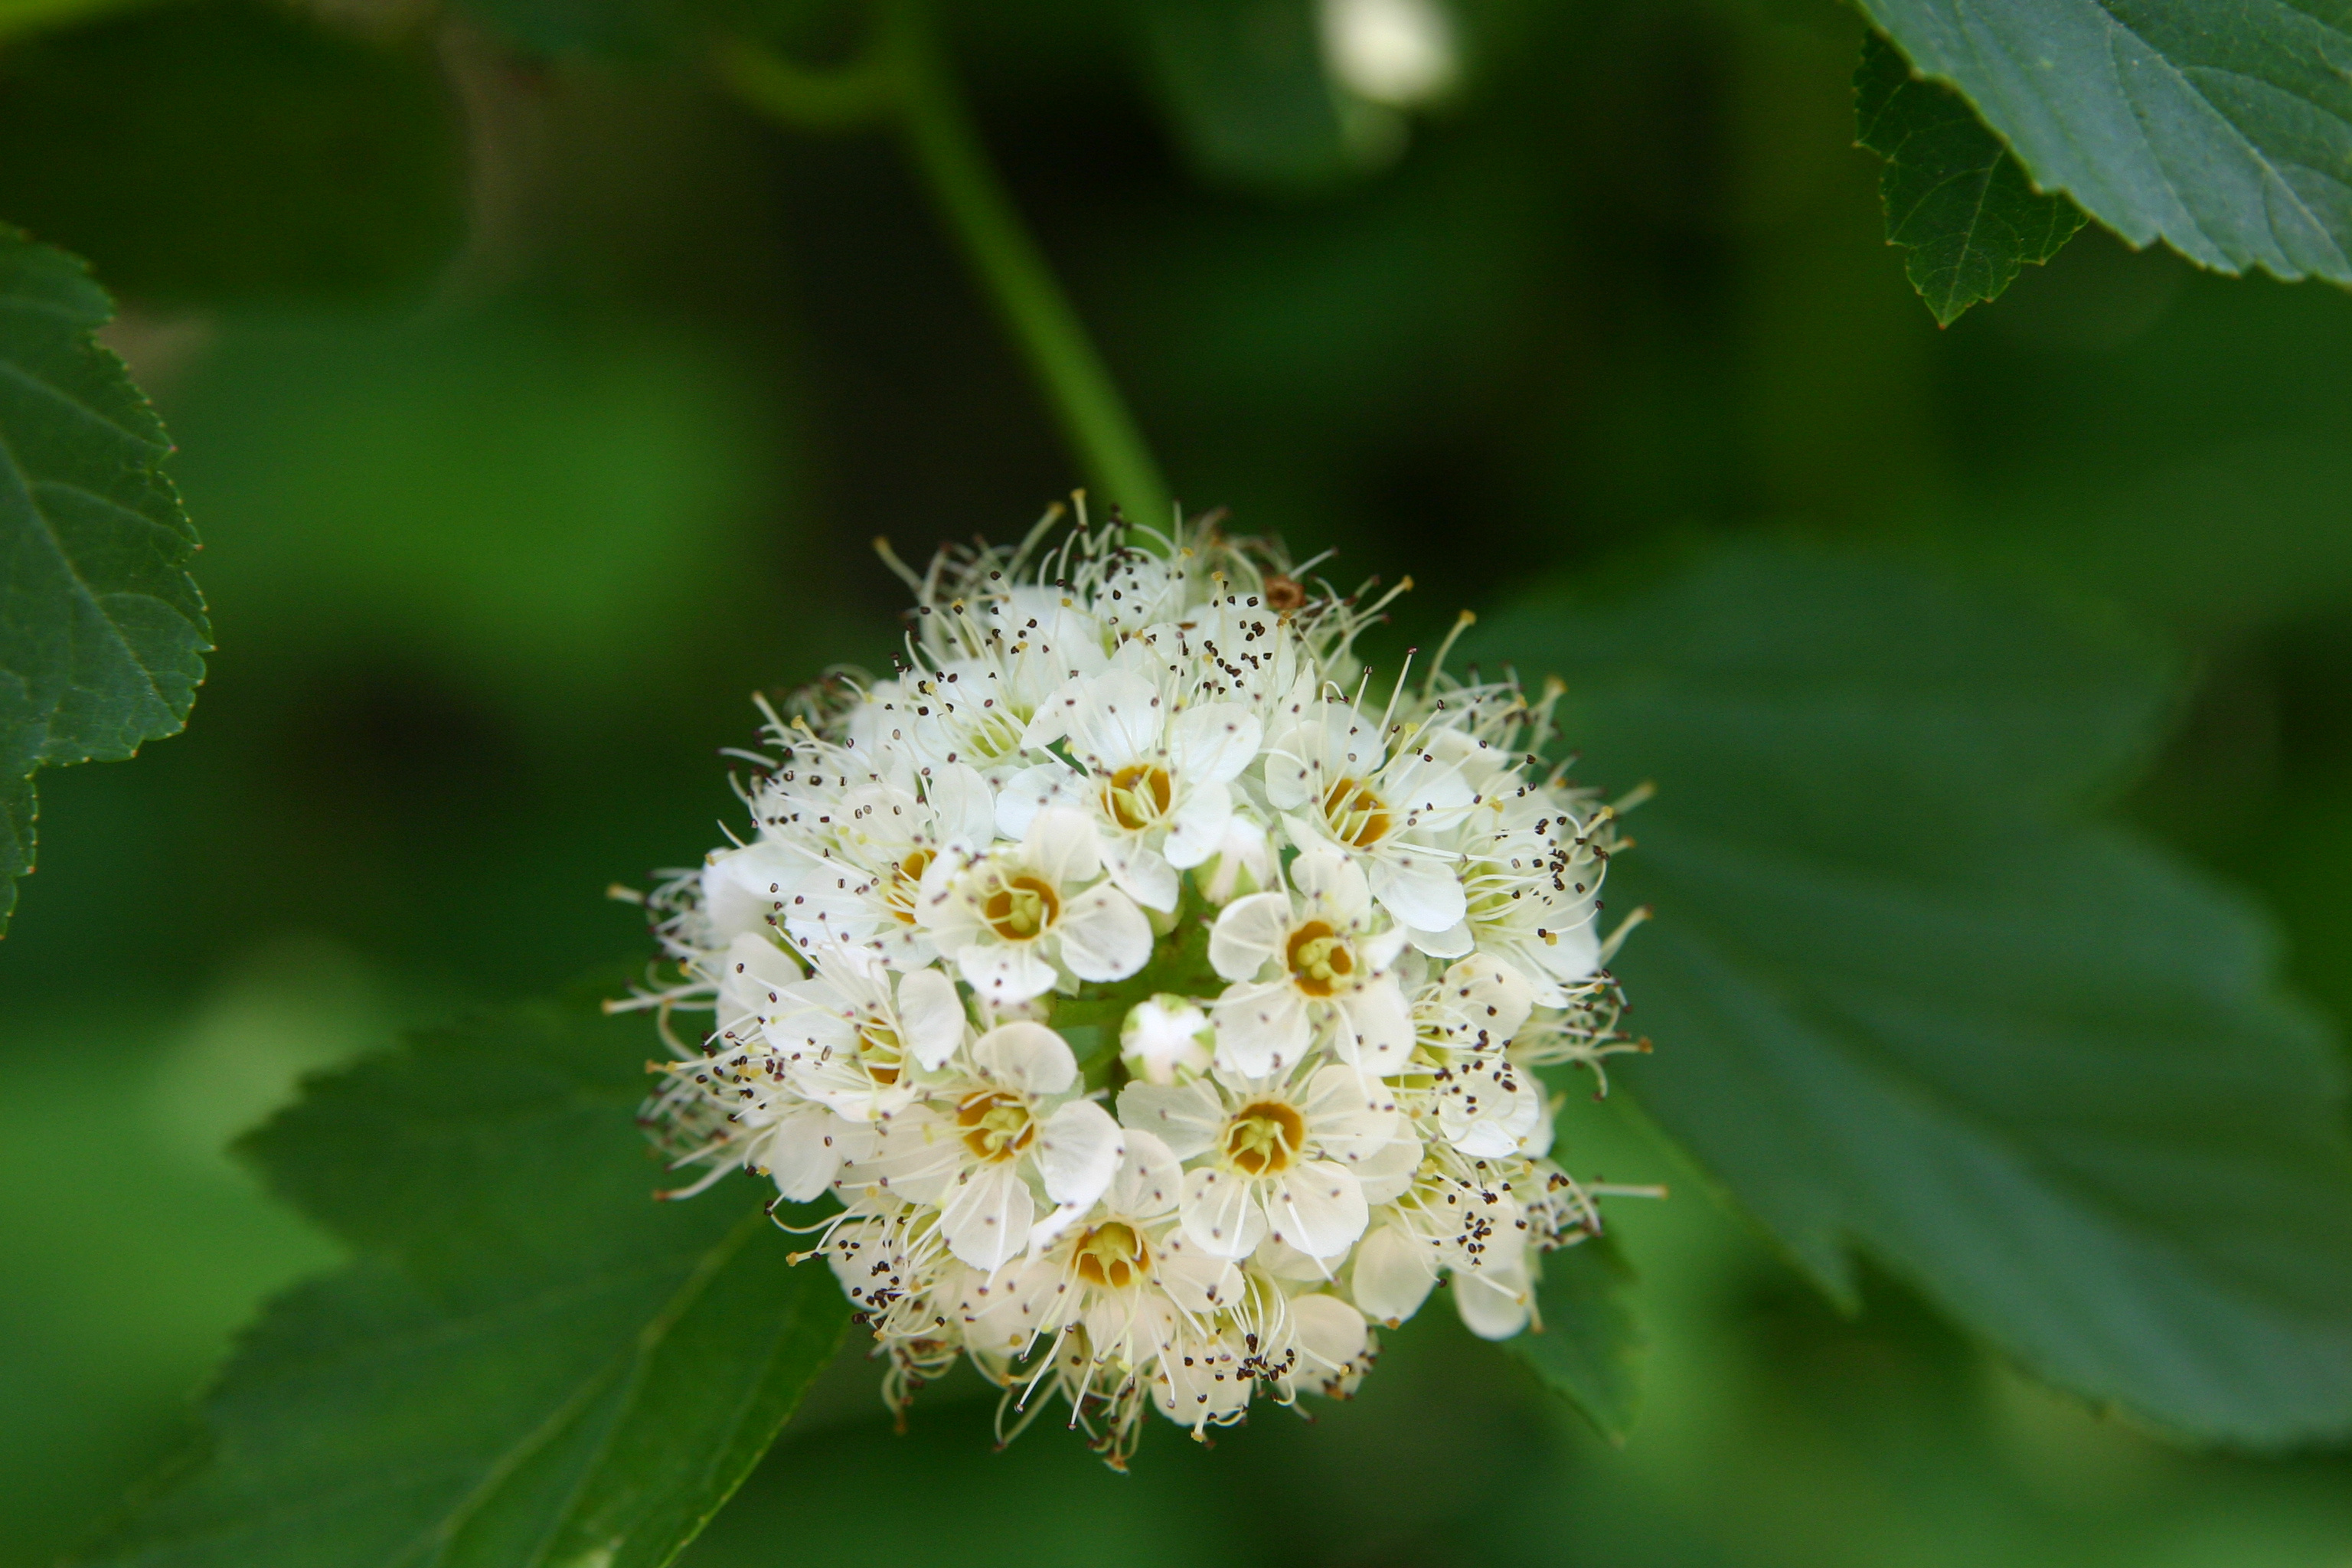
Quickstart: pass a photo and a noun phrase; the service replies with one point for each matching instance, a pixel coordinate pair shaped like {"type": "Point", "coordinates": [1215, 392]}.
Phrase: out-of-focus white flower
{"type": "Point", "coordinates": [1400, 53]}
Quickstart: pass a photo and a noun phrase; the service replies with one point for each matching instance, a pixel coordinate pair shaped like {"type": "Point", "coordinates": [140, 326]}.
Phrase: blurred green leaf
{"type": "Point", "coordinates": [2222, 129]}
{"type": "Point", "coordinates": [103, 632]}
{"type": "Point", "coordinates": [1589, 1350]}
{"type": "Point", "coordinates": [1956, 197]}
{"type": "Point", "coordinates": [233, 150]}
{"type": "Point", "coordinates": [618, 29]}
{"type": "Point", "coordinates": [1905, 998]}
{"type": "Point", "coordinates": [1244, 89]}
{"type": "Point", "coordinates": [17, 814]}
{"type": "Point", "coordinates": [529, 1361]}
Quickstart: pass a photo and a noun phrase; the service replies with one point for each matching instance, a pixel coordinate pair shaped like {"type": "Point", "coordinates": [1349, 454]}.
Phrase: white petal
{"type": "Point", "coordinates": [1198, 825]}
{"type": "Point", "coordinates": [1331, 1338]}
{"type": "Point", "coordinates": [1317, 1208]}
{"type": "Point", "coordinates": [1386, 1173]}
{"type": "Point", "coordinates": [1079, 1151]}
{"type": "Point", "coordinates": [987, 1217]}
{"type": "Point", "coordinates": [1213, 743]}
{"type": "Point", "coordinates": [1119, 722]}
{"type": "Point", "coordinates": [1053, 717]}
{"type": "Point", "coordinates": [805, 1151]}
{"type": "Point", "coordinates": [1026, 1056]}
{"type": "Point", "coordinates": [1187, 1117]}
{"type": "Point", "coordinates": [1004, 972]}
{"type": "Point", "coordinates": [1104, 936]}
{"type": "Point", "coordinates": [1249, 934]}
{"type": "Point", "coordinates": [1142, 873]}
{"type": "Point", "coordinates": [1261, 1029]}
{"type": "Point", "coordinates": [756, 978]}
{"type": "Point", "coordinates": [743, 887]}
{"type": "Point", "coordinates": [1222, 1214]}
{"type": "Point", "coordinates": [1350, 1115]}
{"type": "Point", "coordinates": [1493, 1301]}
{"type": "Point", "coordinates": [1026, 794]}
{"type": "Point", "coordinates": [1490, 999]}
{"type": "Point", "coordinates": [1149, 1183]}
{"type": "Point", "coordinates": [1393, 1274]}
{"type": "Point", "coordinates": [1335, 883]}
{"type": "Point", "coordinates": [1419, 886]}
{"type": "Point", "coordinates": [1452, 942]}
{"type": "Point", "coordinates": [963, 808]}
{"type": "Point", "coordinates": [930, 1016]}
{"type": "Point", "coordinates": [1059, 844]}
{"type": "Point", "coordinates": [1380, 1026]}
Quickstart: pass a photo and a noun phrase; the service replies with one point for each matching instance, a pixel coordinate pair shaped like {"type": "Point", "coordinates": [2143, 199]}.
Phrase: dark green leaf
{"type": "Point", "coordinates": [1904, 998]}
{"type": "Point", "coordinates": [1955, 197]}
{"type": "Point", "coordinates": [642, 30]}
{"type": "Point", "coordinates": [530, 1361]}
{"type": "Point", "coordinates": [2222, 128]}
{"type": "Point", "coordinates": [1589, 1350]}
{"type": "Point", "coordinates": [230, 150]}
{"type": "Point", "coordinates": [102, 633]}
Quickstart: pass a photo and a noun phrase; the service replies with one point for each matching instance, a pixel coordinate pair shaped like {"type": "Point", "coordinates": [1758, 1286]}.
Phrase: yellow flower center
{"type": "Point", "coordinates": [905, 881]}
{"type": "Point", "coordinates": [1356, 814]}
{"type": "Point", "coordinates": [882, 1056]}
{"type": "Point", "coordinates": [1112, 1255]}
{"type": "Point", "coordinates": [995, 1126]}
{"type": "Point", "coordinates": [1020, 907]}
{"type": "Point", "coordinates": [1320, 960]}
{"type": "Point", "coordinates": [1265, 1139]}
{"type": "Point", "coordinates": [1139, 796]}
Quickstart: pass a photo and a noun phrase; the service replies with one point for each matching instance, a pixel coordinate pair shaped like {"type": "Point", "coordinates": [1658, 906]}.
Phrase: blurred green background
{"type": "Point", "coordinates": [537, 410]}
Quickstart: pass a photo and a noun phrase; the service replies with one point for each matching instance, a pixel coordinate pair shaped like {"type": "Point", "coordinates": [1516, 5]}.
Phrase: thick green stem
{"type": "Point", "coordinates": [906, 81]}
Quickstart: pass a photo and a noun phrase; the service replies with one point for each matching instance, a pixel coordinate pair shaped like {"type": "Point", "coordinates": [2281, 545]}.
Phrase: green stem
{"type": "Point", "coordinates": [907, 79]}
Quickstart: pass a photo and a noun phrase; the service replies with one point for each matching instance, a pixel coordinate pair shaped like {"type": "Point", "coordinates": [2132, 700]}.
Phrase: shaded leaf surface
{"type": "Point", "coordinates": [1905, 998]}
{"type": "Point", "coordinates": [2224, 128]}
{"type": "Point", "coordinates": [530, 1361]}
{"type": "Point", "coordinates": [101, 630]}
{"type": "Point", "coordinates": [1589, 1350]}
{"type": "Point", "coordinates": [1956, 198]}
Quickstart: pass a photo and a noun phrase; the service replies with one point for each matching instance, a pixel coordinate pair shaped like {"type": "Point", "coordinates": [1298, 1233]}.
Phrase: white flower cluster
{"type": "Point", "coordinates": [1162, 1016]}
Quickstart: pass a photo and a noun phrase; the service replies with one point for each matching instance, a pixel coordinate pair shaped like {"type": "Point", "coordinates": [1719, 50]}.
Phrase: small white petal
{"type": "Point", "coordinates": [1249, 934]}
{"type": "Point", "coordinates": [987, 1217]}
{"type": "Point", "coordinates": [1026, 1056]}
{"type": "Point", "coordinates": [1104, 936]}
{"type": "Point", "coordinates": [1222, 1214]}
{"type": "Point", "coordinates": [1392, 1274]}
{"type": "Point", "coordinates": [1150, 1181]}
{"type": "Point", "coordinates": [930, 1016]}
{"type": "Point", "coordinates": [1261, 1029]}
{"type": "Point", "coordinates": [1420, 887]}
{"type": "Point", "coordinates": [1079, 1151]}
{"type": "Point", "coordinates": [1317, 1208]}
{"type": "Point", "coordinates": [1005, 972]}
{"type": "Point", "coordinates": [1378, 1026]}
{"type": "Point", "coordinates": [1060, 846]}
{"type": "Point", "coordinates": [1493, 1301]}
{"type": "Point", "coordinates": [1187, 1117]}
{"type": "Point", "coordinates": [1213, 743]}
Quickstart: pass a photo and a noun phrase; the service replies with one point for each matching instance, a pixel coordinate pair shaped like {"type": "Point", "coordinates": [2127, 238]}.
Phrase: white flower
{"type": "Point", "coordinates": [1163, 1036]}
{"type": "Point", "coordinates": [1157, 778]}
{"type": "Point", "coordinates": [1282, 1155]}
{"type": "Point", "coordinates": [1008, 1123]}
{"type": "Point", "coordinates": [931, 976]}
{"type": "Point", "coordinates": [1307, 970]}
{"type": "Point", "coordinates": [1017, 921]}
{"type": "Point", "coordinates": [1330, 771]}
{"type": "Point", "coordinates": [1532, 871]}
{"type": "Point", "coordinates": [1486, 1102]}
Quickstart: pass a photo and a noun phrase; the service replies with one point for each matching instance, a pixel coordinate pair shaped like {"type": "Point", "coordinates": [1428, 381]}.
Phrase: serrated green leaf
{"type": "Point", "coordinates": [234, 150]}
{"type": "Point", "coordinates": [1955, 197]}
{"type": "Point", "coordinates": [529, 1361]}
{"type": "Point", "coordinates": [103, 632]}
{"type": "Point", "coordinates": [1904, 997]}
{"type": "Point", "coordinates": [1588, 1349]}
{"type": "Point", "coordinates": [2222, 129]}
